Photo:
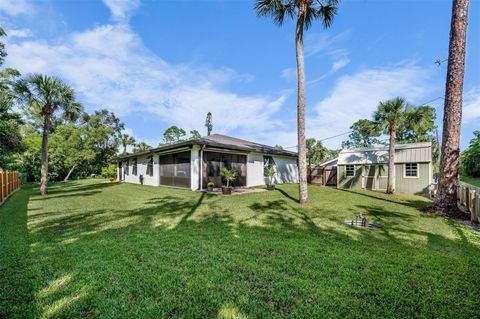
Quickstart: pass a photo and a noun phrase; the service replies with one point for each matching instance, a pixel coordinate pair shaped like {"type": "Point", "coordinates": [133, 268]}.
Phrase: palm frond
{"type": "Point", "coordinates": [2, 32]}
{"type": "Point", "coordinates": [277, 9]}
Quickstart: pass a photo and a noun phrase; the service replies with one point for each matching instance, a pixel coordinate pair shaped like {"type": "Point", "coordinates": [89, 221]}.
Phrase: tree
{"type": "Point", "coordinates": [278, 147]}
{"type": "Point", "coordinates": [46, 96]}
{"type": "Point", "coordinates": [316, 152]}
{"type": "Point", "coordinates": [390, 115]}
{"type": "Point", "coordinates": [403, 123]}
{"type": "Point", "coordinates": [141, 147]}
{"type": "Point", "coordinates": [208, 123]}
{"type": "Point", "coordinates": [452, 114]}
{"type": "Point", "coordinates": [3, 53]}
{"type": "Point", "coordinates": [195, 135]}
{"type": "Point", "coordinates": [364, 134]}
{"type": "Point", "coordinates": [305, 12]}
{"type": "Point", "coordinates": [126, 141]}
{"type": "Point", "coordinates": [471, 157]}
{"type": "Point", "coordinates": [69, 148]}
{"type": "Point", "coordinates": [173, 134]}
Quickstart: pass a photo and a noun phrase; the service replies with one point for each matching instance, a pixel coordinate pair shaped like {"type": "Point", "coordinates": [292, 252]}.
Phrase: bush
{"type": "Point", "coordinates": [110, 171]}
{"type": "Point", "coordinates": [470, 159]}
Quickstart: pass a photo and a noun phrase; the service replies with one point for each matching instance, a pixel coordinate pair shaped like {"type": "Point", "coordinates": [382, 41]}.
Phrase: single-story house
{"type": "Point", "coordinates": [367, 168]}
{"type": "Point", "coordinates": [193, 163]}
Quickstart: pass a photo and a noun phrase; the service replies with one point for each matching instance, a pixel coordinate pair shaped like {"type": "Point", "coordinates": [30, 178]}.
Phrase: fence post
{"type": "Point", "coordinates": [473, 206]}
{"type": "Point", "coordinates": [1, 187]}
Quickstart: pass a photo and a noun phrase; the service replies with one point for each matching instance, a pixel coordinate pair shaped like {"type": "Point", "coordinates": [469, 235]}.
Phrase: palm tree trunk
{"type": "Point", "coordinates": [452, 117]}
{"type": "Point", "coordinates": [44, 164]}
{"type": "Point", "coordinates": [124, 149]}
{"type": "Point", "coordinates": [70, 173]}
{"type": "Point", "coordinates": [391, 161]}
{"type": "Point", "coordinates": [302, 159]}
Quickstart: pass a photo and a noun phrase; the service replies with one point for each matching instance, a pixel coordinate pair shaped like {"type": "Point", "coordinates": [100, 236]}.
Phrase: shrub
{"type": "Point", "coordinates": [110, 171]}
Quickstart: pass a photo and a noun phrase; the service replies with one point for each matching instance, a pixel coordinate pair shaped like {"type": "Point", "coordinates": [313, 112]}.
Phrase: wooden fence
{"type": "Point", "coordinates": [469, 197]}
{"type": "Point", "coordinates": [9, 183]}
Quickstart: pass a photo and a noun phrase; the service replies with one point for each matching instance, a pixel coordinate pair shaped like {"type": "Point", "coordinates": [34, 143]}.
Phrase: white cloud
{"type": "Point", "coordinates": [289, 73]}
{"type": "Point", "coordinates": [121, 9]}
{"type": "Point", "coordinates": [356, 96]}
{"type": "Point", "coordinates": [19, 33]}
{"type": "Point", "coordinates": [471, 105]}
{"type": "Point", "coordinates": [324, 43]}
{"type": "Point", "coordinates": [16, 7]}
{"type": "Point", "coordinates": [110, 67]}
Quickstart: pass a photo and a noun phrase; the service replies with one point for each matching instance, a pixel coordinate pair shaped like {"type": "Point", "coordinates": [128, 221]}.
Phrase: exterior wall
{"type": "Point", "coordinates": [255, 170]}
{"type": "Point", "coordinates": [402, 184]}
{"type": "Point", "coordinates": [142, 170]}
{"type": "Point", "coordinates": [195, 168]}
{"type": "Point", "coordinates": [286, 170]}
{"type": "Point", "coordinates": [354, 182]}
{"type": "Point", "coordinates": [418, 184]}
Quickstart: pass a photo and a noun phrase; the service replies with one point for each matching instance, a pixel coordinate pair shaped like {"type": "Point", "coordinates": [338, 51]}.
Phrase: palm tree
{"type": "Point", "coordinates": [141, 147]}
{"type": "Point", "coordinates": [305, 11]}
{"type": "Point", "coordinates": [126, 140]}
{"type": "Point", "coordinates": [45, 96]}
{"type": "Point", "coordinates": [390, 115]}
{"type": "Point", "coordinates": [452, 118]}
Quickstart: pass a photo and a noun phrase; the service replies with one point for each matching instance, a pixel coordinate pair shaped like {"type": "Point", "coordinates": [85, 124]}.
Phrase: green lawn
{"type": "Point", "coordinates": [99, 250]}
{"type": "Point", "coordinates": [471, 180]}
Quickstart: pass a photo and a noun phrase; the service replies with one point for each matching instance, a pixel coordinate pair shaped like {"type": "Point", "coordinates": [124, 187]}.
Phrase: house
{"type": "Point", "coordinates": [367, 168]}
{"type": "Point", "coordinates": [192, 164]}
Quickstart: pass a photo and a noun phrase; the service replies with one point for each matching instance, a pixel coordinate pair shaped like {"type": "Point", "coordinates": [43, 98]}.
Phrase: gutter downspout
{"type": "Point", "coordinates": [201, 167]}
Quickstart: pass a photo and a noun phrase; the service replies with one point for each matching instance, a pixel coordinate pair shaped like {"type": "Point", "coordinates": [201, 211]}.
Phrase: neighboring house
{"type": "Point", "coordinates": [368, 168]}
{"type": "Point", "coordinates": [193, 163]}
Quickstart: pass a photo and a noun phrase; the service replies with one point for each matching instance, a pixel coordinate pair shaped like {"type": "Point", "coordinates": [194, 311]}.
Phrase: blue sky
{"type": "Point", "coordinates": [162, 63]}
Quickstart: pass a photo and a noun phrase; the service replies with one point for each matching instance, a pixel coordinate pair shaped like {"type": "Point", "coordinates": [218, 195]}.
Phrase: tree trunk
{"type": "Point", "coordinates": [452, 117]}
{"type": "Point", "coordinates": [70, 173]}
{"type": "Point", "coordinates": [302, 159]}
{"type": "Point", "coordinates": [391, 161]}
{"type": "Point", "coordinates": [44, 164]}
{"type": "Point", "coordinates": [124, 149]}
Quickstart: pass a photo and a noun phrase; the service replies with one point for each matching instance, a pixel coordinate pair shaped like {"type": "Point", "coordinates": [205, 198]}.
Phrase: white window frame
{"type": "Point", "coordinates": [346, 170]}
{"type": "Point", "coordinates": [405, 170]}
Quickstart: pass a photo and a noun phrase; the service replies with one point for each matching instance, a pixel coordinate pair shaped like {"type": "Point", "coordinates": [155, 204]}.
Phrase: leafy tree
{"type": "Point", "coordinates": [278, 147]}
{"type": "Point", "coordinates": [3, 52]}
{"type": "Point", "coordinates": [333, 153]}
{"type": "Point", "coordinates": [141, 147]}
{"type": "Point", "coordinates": [46, 96]}
{"type": "Point", "coordinates": [173, 134]}
{"type": "Point", "coordinates": [364, 134]}
{"type": "Point", "coordinates": [208, 123]}
{"type": "Point", "coordinates": [69, 148]}
{"type": "Point", "coordinates": [195, 135]}
{"type": "Point", "coordinates": [305, 11]}
{"type": "Point", "coordinates": [109, 171]}
{"type": "Point", "coordinates": [316, 152]}
{"type": "Point", "coordinates": [418, 126]}
{"type": "Point", "coordinates": [30, 158]}
{"type": "Point", "coordinates": [471, 157]}
{"type": "Point", "coordinates": [452, 112]}
{"type": "Point", "coordinates": [126, 141]}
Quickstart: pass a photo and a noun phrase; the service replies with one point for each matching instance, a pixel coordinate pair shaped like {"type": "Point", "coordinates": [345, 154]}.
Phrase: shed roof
{"type": "Point", "coordinates": [219, 141]}
{"type": "Point", "coordinates": [404, 153]}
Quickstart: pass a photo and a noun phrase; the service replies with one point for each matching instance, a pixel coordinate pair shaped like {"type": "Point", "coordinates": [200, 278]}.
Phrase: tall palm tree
{"type": "Point", "coordinates": [390, 115]}
{"type": "Point", "coordinates": [141, 147]}
{"type": "Point", "coordinates": [126, 140]}
{"type": "Point", "coordinates": [46, 97]}
{"type": "Point", "coordinates": [452, 118]}
{"type": "Point", "coordinates": [305, 12]}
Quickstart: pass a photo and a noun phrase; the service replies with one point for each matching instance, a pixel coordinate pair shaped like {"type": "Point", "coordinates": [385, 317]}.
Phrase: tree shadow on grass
{"type": "Point", "coordinates": [283, 265]}
{"type": "Point", "coordinates": [418, 204]}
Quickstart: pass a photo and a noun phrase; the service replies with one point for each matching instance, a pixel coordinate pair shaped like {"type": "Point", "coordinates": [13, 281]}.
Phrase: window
{"type": "Point", "coordinates": [134, 168]}
{"type": "Point", "coordinates": [350, 170]}
{"type": "Point", "coordinates": [411, 170]}
{"type": "Point", "coordinates": [268, 161]}
{"type": "Point", "coordinates": [150, 166]}
{"type": "Point", "coordinates": [126, 167]}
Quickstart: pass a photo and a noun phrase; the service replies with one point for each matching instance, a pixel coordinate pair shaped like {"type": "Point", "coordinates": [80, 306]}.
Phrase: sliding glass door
{"type": "Point", "coordinates": [214, 162]}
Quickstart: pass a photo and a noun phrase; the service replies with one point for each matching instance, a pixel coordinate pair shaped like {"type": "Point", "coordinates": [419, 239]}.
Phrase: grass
{"type": "Point", "coordinates": [99, 250]}
{"type": "Point", "coordinates": [471, 180]}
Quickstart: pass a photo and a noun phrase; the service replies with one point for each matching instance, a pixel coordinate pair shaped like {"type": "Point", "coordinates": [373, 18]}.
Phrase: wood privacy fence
{"type": "Point", "coordinates": [469, 197]}
{"type": "Point", "coordinates": [9, 183]}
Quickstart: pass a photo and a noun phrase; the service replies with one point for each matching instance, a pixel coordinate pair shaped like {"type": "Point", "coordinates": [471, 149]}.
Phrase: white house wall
{"type": "Point", "coordinates": [286, 169]}
{"type": "Point", "coordinates": [142, 170]}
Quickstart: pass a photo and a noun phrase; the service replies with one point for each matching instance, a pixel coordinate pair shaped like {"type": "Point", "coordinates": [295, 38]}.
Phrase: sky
{"type": "Point", "coordinates": [162, 63]}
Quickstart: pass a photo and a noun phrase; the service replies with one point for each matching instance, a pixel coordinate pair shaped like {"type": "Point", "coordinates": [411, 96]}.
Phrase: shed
{"type": "Point", "coordinates": [367, 168]}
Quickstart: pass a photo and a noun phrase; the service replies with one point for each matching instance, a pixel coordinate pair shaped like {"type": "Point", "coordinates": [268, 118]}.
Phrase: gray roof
{"type": "Point", "coordinates": [219, 141]}
{"type": "Point", "coordinates": [404, 153]}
